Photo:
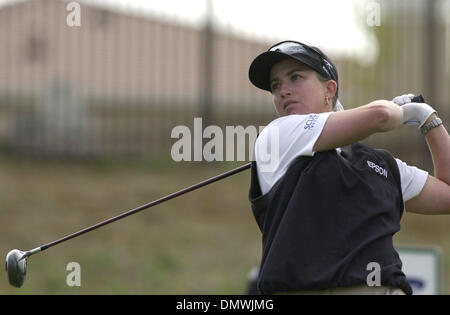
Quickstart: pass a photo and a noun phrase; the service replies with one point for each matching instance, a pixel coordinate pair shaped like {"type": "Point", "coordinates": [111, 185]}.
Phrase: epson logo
{"type": "Point", "coordinates": [377, 168]}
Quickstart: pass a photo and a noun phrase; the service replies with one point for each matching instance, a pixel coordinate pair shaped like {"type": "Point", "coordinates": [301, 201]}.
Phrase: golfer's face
{"type": "Point", "coordinates": [296, 89]}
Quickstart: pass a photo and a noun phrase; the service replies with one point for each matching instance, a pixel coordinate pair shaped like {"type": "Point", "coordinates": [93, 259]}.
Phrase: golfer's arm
{"type": "Point", "coordinates": [349, 126]}
{"type": "Point", "coordinates": [433, 199]}
{"type": "Point", "coordinates": [438, 142]}
{"type": "Point", "coordinates": [435, 195]}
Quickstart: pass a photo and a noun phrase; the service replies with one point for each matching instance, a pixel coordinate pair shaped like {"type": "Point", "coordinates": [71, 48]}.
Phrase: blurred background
{"type": "Point", "coordinates": [90, 92]}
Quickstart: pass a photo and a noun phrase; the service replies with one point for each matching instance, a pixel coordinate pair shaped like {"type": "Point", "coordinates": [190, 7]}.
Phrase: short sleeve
{"type": "Point", "coordinates": [282, 141]}
{"type": "Point", "coordinates": [412, 179]}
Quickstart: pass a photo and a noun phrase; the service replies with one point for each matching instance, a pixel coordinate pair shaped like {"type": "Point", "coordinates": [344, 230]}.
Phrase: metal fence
{"type": "Point", "coordinates": [119, 83]}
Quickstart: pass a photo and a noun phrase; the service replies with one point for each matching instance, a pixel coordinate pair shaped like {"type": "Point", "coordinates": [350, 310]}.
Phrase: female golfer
{"type": "Point", "coordinates": [326, 204]}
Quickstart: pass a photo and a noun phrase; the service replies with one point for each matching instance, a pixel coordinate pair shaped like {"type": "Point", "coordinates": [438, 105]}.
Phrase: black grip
{"type": "Point", "coordinates": [418, 99]}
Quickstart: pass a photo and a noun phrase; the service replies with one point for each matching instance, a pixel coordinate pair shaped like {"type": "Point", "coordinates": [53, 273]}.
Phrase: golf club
{"type": "Point", "coordinates": [16, 260]}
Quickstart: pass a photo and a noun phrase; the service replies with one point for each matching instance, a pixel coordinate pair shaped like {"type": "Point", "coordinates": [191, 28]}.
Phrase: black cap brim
{"type": "Point", "coordinates": [259, 71]}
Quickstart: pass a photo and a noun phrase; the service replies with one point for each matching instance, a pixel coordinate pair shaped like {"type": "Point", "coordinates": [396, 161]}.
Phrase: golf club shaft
{"type": "Point", "coordinates": [146, 206]}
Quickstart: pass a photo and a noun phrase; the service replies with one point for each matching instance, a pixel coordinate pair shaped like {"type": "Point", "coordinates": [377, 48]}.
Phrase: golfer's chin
{"type": "Point", "coordinates": [295, 111]}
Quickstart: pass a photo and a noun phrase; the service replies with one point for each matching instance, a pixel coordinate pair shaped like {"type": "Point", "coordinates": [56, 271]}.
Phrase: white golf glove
{"type": "Point", "coordinates": [413, 113]}
{"type": "Point", "coordinates": [403, 99]}
{"type": "Point", "coordinates": [416, 113]}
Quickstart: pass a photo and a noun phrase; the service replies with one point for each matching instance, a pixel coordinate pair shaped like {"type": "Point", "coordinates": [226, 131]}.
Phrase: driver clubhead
{"type": "Point", "coordinates": [16, 267]}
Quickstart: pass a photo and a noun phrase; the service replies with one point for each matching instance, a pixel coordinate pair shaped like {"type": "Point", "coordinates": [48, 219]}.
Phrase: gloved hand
{"type": "Point", "coordinates": [417, 113]}
{"type": "Point", "coordinates": [413, 113]}
{"type": "Point", "coordinates": [403, 99]}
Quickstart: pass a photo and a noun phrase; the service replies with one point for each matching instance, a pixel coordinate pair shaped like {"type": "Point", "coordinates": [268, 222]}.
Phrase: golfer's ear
{"type": "Point", "coordinates": [331, 87]}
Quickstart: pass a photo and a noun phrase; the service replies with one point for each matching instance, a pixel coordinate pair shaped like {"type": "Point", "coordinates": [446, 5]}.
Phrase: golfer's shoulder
{"type": "Point", "coordinates": [293, 126]}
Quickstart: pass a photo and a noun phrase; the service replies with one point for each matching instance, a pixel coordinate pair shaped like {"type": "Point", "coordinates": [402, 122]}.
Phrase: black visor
{"type": "Point", "coordinates": [259, 72]}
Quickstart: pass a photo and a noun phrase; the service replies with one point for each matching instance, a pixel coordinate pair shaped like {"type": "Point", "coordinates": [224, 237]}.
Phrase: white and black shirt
{"type": "Point", "coordinates": [325, 216]}
{"type": "Point", "coordinates": [297, 135]}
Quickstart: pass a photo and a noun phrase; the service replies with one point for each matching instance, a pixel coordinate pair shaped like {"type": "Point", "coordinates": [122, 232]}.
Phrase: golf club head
{"type": "Point", "coordinates": [16, 267]}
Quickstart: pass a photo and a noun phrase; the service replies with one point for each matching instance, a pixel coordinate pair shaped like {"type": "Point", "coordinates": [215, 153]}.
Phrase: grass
{"type": "Point", "coordinates": [204, 242]}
